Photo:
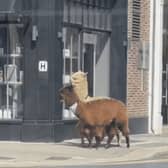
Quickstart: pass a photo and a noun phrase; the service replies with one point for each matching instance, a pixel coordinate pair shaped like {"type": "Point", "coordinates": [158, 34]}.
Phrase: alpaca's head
{"type": "Point", "coordinates": [67, 95]}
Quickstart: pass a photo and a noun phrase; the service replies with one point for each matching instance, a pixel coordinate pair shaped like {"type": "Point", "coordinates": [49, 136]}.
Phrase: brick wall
{"type": "Point", "coordinates": [137, 79]}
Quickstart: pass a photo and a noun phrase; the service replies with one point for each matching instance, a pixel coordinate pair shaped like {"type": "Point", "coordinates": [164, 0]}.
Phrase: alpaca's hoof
{"type": "Point", "coordinates": [128, 145]}
{"type": "Point", "coordinates": [107, 146]}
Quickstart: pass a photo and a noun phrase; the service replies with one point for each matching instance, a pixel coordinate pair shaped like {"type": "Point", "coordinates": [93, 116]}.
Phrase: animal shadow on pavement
{"type": "Point", "coordinates": [78, 145]}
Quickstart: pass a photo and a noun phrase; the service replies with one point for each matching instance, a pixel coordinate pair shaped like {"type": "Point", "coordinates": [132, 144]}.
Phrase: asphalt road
{"type": "Point", "coordinates": [143, 165]}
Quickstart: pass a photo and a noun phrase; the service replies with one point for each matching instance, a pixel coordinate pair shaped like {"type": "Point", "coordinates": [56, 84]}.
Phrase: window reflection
{"type": "Point", "coordinates": [11, 71]}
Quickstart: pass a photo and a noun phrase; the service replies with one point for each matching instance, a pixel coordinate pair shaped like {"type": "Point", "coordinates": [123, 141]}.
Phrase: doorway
{"type": "Point", "coordinates": [165, 66]}
{"type": "Point", "coordinates": [165, 93]}
{"type": "Point", "coordinates": [96, 61]}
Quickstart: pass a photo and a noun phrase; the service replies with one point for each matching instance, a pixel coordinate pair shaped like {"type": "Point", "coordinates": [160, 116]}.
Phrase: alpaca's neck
{"type": "Point", "coordinates": [77, 108]}
{"type": "Point", "coordinates": [73, 108]}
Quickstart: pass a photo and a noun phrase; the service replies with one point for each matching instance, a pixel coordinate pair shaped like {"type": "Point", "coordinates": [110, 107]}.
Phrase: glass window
{"type": "Point", "coordinates": [71, 55]}
{"type": "Point", "coordinates": [91, 17]}
{"type": "Point", "coordinates": [11, 71]}
{"type": "Point", "coordinates": [108, 17]}
{"type": "Point", "coordinates": [88, 13]}
{"type": "Point", "coordinates": [78, 13]}
{"type": "Point", "coordinates": [66, 10]}
{"type": "Point", "coordinates": [72, 8]}
{"type": "Point", "coordinates": [85, 16]}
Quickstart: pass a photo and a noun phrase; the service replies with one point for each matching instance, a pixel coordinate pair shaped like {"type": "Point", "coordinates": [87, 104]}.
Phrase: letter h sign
{"type": "Point", "coordinates": [43, 66]}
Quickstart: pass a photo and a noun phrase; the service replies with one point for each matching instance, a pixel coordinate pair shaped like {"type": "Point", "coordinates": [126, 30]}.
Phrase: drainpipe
{"type": "Point", "coordinates": [155, 71]}
{"type": "Point", "coordinates": [151, 64]}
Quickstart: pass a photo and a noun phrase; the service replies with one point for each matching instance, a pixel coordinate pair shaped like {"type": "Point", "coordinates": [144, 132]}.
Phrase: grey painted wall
{"type": "Point", "coordinates": [41, 88]}
{"type": "Point", "coordinates": [102, 67]}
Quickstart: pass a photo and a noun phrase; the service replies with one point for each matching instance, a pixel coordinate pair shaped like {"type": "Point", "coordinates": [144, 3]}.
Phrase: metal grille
{"type": "Point", "coordinates": [136, 19]}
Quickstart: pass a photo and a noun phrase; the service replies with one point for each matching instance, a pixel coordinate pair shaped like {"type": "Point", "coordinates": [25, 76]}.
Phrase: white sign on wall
{"type": "Point", "coordinates": [43, 66]}
{"type": "Point", "coordinates": [66, 52]}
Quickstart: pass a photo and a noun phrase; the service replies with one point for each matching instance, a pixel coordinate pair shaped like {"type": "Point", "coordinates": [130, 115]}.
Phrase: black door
{"type": "Point", "coordinates": [165, 94]}
{"type": "Point", "coordinates": [89, 65]}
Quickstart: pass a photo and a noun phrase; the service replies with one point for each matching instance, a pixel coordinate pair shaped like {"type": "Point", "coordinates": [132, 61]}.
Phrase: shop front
{"type": "Point", "coordinates": [42, 43]}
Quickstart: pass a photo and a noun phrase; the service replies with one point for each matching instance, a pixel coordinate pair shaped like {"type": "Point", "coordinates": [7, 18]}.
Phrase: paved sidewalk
{"type": "Point", "coordinates": [144, 148]}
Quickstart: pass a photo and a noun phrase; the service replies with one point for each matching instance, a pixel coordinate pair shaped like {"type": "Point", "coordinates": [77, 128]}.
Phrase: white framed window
{"type": "Point", "coordinates": [11, 72]}
{"type": "Point", "coordinates": [71, 57]}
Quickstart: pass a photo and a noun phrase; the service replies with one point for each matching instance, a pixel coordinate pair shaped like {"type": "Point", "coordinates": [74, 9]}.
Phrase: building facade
{"type": "Point", "coordinates": [147, 62]}
{"type": "Point", "coordinates": [137, 65]}
{"type": "Point", "coordinates": [42, 42]}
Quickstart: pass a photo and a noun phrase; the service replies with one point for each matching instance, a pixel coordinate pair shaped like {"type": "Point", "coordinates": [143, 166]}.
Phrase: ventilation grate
{"type": "Point", "coordinates": [136, 19]}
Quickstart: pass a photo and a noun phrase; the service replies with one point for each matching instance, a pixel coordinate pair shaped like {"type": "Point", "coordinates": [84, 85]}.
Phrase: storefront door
{"type": "Point", "coordinates": [165, 95]}
{"type": "Point", "coordinates": [89, 53]}
{"type": "Point", "coordinates": [165, 66]}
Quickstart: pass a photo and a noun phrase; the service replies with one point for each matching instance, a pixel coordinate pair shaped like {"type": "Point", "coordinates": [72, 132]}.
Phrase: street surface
{"type": "Point", "coordinates": [143, 165]}
{"type": "Point", "coordinates": [146, 151]}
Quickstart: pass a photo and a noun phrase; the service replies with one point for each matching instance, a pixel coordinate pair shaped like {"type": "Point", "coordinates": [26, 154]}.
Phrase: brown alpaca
{"type": "Point", "coordinates": [98, 113]}
{"type": "Point", "coordinates": [80, 85]}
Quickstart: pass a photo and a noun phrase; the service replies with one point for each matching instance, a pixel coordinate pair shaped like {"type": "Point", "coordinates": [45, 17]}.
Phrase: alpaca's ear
{"type": "Point", "coordinates": [85, 74]}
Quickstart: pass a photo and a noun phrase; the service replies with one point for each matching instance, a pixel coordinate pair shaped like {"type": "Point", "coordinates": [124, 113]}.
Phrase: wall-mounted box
{"type": "Point", "coordinates": [143, 56]}
{"type": "Point", "coordinates": [1, 51]}
{"type": "Point", "coordinates": [10, 73]}
{"type": "Point", "coordinates": [1, 76]}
